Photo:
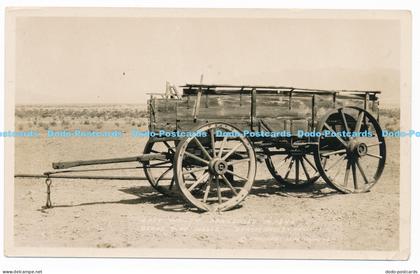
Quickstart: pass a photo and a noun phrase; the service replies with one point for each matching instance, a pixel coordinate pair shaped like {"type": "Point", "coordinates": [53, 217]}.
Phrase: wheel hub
{"type": "Point", "coordinates": [357, 148]}
{"type": "Point", "coordinates": [218, 166]}
{"type": "Point", "coordinates": [362, 149]}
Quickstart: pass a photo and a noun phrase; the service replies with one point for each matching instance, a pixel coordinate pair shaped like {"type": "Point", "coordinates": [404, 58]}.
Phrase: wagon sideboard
{"type": "Point", "coordinates": [253, 107]}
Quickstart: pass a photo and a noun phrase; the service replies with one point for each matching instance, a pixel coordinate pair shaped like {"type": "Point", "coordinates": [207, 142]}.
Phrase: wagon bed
{"type": "Point", "coordinates": [247, 107]}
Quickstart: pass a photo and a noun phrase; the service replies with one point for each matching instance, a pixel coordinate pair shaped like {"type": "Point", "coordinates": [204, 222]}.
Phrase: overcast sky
{"type": "Point", "coordinates": [119, 60]}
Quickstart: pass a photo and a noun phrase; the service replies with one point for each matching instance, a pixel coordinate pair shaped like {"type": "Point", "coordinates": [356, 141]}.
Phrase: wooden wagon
{"type": "Point", "coordinates": [205, 143]}
{"type": "Point", "coordinates": [301, 134]}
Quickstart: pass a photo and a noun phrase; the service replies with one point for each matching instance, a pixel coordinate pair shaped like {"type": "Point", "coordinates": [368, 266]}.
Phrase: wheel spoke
{"type": "Point", "coordinates": [359, 166]}
{"type": "Point", "coordinates": [235, 174]}
{"type": "Point", "coordinates": [343, 117]}
{"type": "Point", "coordinates": [199, 180]}
{"type": "Point", "coordinates": [359, 121]}
{"type": "Point", "coordinates": [195, 170]}
{"type": "Point", "coordinates": [193, 175]}
{"type": "Point", "coordinates": [231, 151]}
{"type": "Point", "coordinates": [229, 185]}
{"type": "Point", "coordinates": [374, 144]}
{"type": "Point", "coordinates": [231, 163]}
{"type": "Point", "coordinates": [172, 183]}
{"type": "Point", "coordinates": [336, 135]}
{"type": "Point", "coordinates": [324, 162]}
{"type": "Point", "coordinates": [374, 155]}
{"type": "Point", "coordinates": [297, 171]}
{"type": "Point", "coordinates": [222, 146]}
{"type": "Point", "coordinates": [168, 146]}
{"type": "Point", "coordinates": [202, 148]}
{"type": "Point", "coordinates": [307, 160]}
{"type": "Point", "coordinates": [213, 145]}
{"type": "Point", "coordinates": [206, 192]}
{"type": "Point", "coordinates": [289, 168]}
{"type": "Point", "coordinates": [346, 175]}
{"type": "Point", "coordinates": [353, 168]}
{"type": "Point", "coordinates": [196, 157]}
{"type": "Point", "coordinates": [305, 170]}
{"type": "Point", "coordinates": [219, 192]}
{"type": "Point", "coordinates": [333, 152]}
{"type": "Point", "coordinates": [284, 161]}
{"type": "Point", "coordinates": [336, 162]}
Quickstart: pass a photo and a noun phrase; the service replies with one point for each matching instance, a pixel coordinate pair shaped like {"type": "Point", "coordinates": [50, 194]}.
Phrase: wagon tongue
{"type": "Point", "coordinates": [140, 158]}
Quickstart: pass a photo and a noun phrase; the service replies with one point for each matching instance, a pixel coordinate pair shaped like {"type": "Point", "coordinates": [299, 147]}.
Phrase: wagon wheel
{"type": "Point", "coordinates": [355, 162]}
{"type": "Point", "coordinates": [159, 173]}
{"type": "Point", "coordinates": [210, 160]}
{"type": "Point", "coordinates": [294, 169]}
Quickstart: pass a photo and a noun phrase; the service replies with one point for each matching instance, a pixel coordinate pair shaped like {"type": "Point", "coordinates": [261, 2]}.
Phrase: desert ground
{"type": "Point", "coordinates": [115, 214]}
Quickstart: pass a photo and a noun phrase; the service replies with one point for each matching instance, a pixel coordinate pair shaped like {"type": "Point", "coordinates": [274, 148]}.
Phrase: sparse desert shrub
{"type": "Point", "coordinates": [19, 114]}
{"type": "Point", "coordinates": [43, 125]}
{"type": "Point", "coordinates": [392, 125]}
{"type": "Point", "coordinates": [65, 124]}
{"type": "Point", "coordinates": [42, 116]}
{"type": "Point", "coordinates": [390, 119]}
{"type": "Point", "coordinates": [143, 114]}
{"type": "Point", "coordinates": [141, 123]}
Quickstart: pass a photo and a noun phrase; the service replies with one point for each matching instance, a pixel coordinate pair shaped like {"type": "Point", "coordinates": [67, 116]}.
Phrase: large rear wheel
{"type": "Point", "coordinates": [215, 185]}
{"type": "Point", "coordinates": [356, 159]}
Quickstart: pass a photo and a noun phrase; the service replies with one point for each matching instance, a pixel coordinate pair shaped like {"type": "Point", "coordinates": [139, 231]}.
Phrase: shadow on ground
{"type": "Point", "coordinates": [261, 188]}
{"type": "Point", "coordinates": [264, 188]}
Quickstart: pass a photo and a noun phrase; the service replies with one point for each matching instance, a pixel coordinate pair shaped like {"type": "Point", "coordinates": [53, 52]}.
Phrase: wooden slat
{"type": "Point", "coordinates": [218, 107]}
{"type": "Point", "coordinates": [165, 110]}
{"type": "Point", "coordinates": [271, 106]}
{"type": "Point", "coordinates": [242, 124]}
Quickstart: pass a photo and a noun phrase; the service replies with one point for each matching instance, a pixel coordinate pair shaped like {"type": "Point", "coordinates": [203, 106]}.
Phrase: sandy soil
{"type": "Point", "coordinates": [107, 214]}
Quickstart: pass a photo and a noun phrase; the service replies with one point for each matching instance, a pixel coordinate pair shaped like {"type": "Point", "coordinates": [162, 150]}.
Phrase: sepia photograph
{"type": "Point", "coordinates": [207, 133]}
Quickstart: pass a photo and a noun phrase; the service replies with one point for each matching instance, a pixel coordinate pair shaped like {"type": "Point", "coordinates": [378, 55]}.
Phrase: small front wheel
{"type": "Point", "coordinates": [159, 173]}
{"type": "Point", "coordinates": [292, 168]}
